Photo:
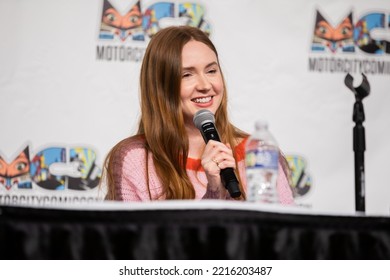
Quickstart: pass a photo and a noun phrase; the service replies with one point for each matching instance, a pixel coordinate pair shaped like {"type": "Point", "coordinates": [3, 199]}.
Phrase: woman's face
{"type": "Point", "coordinates": [201, 81]}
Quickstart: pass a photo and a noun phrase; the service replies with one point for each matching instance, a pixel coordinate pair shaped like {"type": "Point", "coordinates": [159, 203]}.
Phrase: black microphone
{"type": "Point", "coordinates": [204, 120]}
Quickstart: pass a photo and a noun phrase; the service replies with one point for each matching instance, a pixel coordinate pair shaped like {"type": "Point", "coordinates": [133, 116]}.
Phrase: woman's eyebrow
{"type": "Point", "coordinates": [208, 65]}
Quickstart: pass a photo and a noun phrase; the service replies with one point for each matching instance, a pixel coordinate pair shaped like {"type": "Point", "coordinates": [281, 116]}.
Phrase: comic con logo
{"type": "Point", "coordinates": [124, 30]}
{"type": "Point", "coordinates": [363, 40]}
{"type": "Point", "coordinates": [50, 169]}
{"type": "Point", "coordinates": [301, 180]}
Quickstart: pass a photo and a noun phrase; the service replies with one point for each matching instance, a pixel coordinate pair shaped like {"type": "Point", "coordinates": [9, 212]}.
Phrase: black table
{"type": "Point", "coordinates": [187, 230]}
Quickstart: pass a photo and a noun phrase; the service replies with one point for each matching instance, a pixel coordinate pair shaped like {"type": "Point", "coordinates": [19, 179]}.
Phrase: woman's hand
{"type": "Point", "coordinates": [216, 156]}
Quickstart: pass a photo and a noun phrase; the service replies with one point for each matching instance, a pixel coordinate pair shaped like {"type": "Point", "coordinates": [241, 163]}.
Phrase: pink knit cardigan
{"type": "Point", "coordinates": [130, 171]}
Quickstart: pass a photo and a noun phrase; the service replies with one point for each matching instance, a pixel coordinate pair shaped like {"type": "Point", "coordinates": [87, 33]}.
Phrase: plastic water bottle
{"type": "Point", "coordinates": [262, 158]}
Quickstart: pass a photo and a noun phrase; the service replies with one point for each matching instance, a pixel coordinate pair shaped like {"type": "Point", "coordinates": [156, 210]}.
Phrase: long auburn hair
{"type": "Point", "coordinates": [162, 120]}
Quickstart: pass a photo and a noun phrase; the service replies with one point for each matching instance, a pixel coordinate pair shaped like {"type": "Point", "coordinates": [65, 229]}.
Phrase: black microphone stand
{"type": "Point", "coordinates": [359, 142]}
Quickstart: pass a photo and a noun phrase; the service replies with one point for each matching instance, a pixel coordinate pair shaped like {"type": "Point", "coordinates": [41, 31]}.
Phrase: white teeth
{"type": "Point", "coordinates": [202, 100]}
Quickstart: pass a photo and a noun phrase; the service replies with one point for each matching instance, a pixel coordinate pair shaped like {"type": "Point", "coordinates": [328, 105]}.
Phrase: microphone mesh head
{"type": "Point", "coordinates": [203, 116]}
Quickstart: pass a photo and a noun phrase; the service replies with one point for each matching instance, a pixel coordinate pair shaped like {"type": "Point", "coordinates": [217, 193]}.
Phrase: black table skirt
{"type": "Point", "coordinates": [41, 233]}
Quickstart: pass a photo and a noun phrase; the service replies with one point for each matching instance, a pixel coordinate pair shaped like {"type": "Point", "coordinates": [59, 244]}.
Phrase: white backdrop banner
{"type": "Point", "coordinates": [69, 89]}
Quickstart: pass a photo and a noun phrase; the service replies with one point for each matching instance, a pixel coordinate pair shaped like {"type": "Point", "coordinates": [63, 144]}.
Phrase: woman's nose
{"type": "Point", "coordinates": [203, 83]}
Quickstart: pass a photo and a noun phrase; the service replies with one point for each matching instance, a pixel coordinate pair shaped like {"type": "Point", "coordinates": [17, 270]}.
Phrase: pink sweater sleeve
{"type": "Point", "coordinates": [125, 186]}
{"type": "Point", "coordinates": [130, 173]}
{"type": "Point", "coordinates": [284, 189]}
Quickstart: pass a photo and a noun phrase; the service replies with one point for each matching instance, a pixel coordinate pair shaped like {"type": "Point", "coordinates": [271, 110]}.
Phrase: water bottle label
{"type": "Point", "coordinates": [263, 159]}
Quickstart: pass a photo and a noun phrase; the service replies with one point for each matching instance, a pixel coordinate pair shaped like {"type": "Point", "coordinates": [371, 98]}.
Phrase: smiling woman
{"type": "Point", "coordinates": [168, 158]}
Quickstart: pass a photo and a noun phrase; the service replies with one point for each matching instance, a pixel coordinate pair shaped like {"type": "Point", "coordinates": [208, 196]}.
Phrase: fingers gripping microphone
{"type": "Point", "coordinates": [204, 120]}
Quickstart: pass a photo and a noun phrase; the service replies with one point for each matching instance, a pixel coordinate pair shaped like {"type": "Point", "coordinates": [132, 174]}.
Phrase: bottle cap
{"type": "Point", "coordinates": [261, 124]}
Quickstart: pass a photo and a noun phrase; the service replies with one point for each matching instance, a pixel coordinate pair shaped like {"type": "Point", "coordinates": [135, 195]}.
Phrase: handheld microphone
{"type": "Point", "coordinates": [204, 120]}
